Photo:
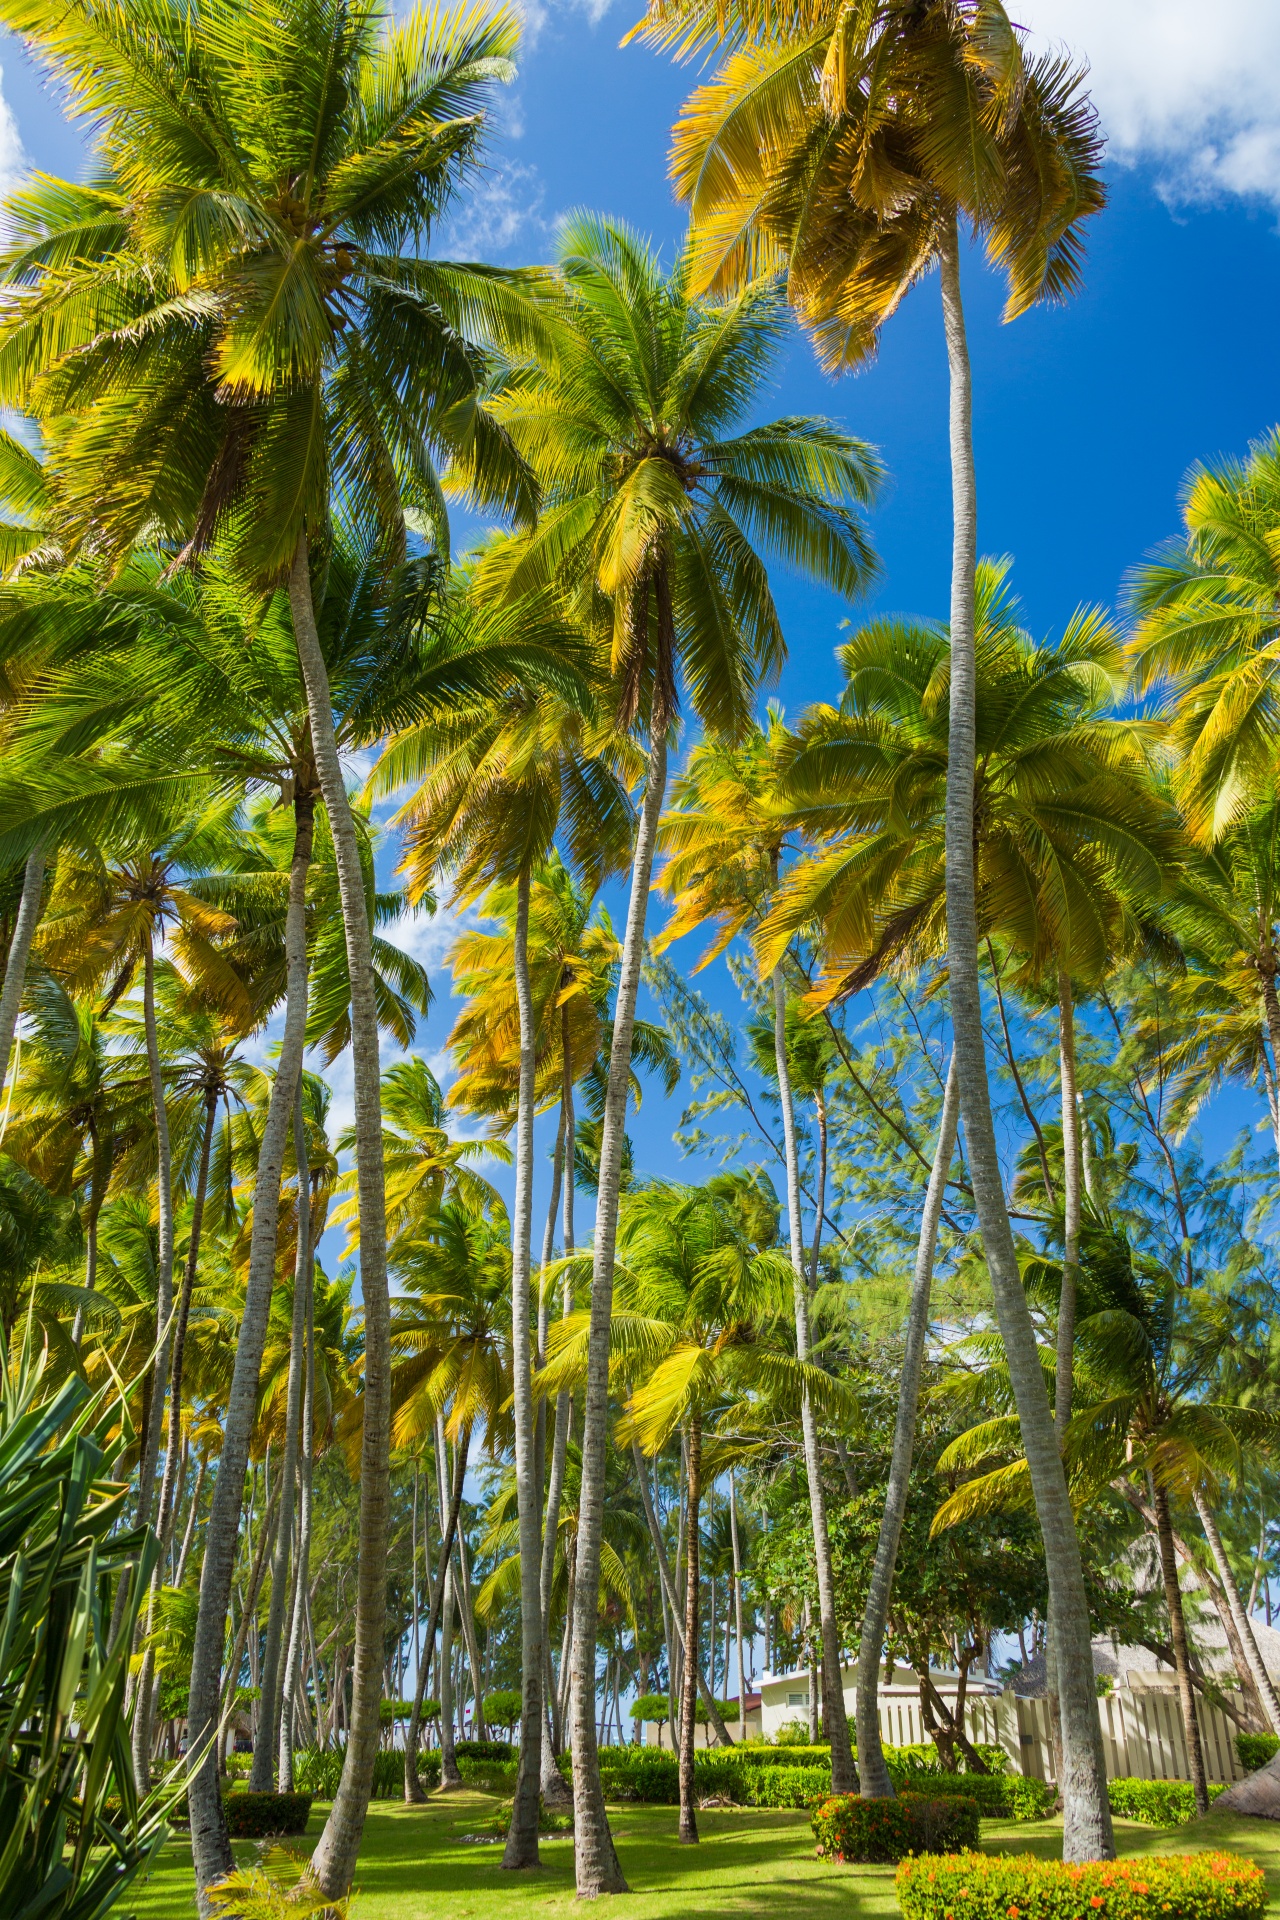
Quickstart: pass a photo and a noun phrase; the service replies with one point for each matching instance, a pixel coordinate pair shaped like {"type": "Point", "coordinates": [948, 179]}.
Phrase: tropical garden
{"type": "Point", "coordinates": [375, 1424]}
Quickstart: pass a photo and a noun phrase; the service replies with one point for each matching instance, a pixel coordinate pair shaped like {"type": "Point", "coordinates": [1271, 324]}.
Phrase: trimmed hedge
{"type": "Point", "coordinates": [847, 1827]}
{"type": "Point", "coordinates": [1000, 1796]}
{"type": "Point", "coordinates": [1255, 1749]}
{"type": "Point", "coordinates": [980, 1886]}
{"type": "Point", "coordinates": [250, 1816]}
{"type": "Point", "coordinates": [1157, 1803]}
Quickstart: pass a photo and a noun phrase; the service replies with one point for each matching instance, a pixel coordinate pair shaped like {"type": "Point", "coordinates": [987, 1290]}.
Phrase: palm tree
{"type": "Point", "coordinates": [847, 149]}
{"type": "Point", "coordinates": [725, 837]}
{"type": "Point", "coordinates": [338, 139]}
{"type": "Point", "coordinates": [1072, 852]}
{"type": "Point", "coordinates": [655, 511]}
{"type": "Point", "coordinates": [498, 785]}
{"type": "Point", "coordinates": [1205, 633]}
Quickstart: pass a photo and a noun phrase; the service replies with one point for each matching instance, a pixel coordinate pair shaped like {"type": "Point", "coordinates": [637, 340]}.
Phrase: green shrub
{"type": "Point", "coordinates": [503, 1707]}
{"type": "Point", "coordinates": [251, 1815]}
{"type": "Point", "coordinates": [1157, 1803]}
{"type": "Point", "coordinates": [489, 1776]}
{"type": "Point", "coordinates": [1255, 1749]}
{"type": "Point", "coordinates": [793, 1733]}
{"type": "Point", "coordinates": [1000, 1796]}
{"type": "Point", "coordinates": [978, 1886]}
{"type": "Point", "coordinates": [924, 1758]}
{"type": "Point", "coordinates": [482, 1749]}
{"type": "Point", "coordinates": [847, 1827]}
{"type": "Point", "coordinates": [318, 1773]}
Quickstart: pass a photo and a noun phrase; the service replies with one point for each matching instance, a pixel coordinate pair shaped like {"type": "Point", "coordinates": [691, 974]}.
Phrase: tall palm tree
{"type": "Point", "coordinates": [848, 148]}
{"type": "Point", "coordinates": [725, 837]}
{"type": "Point", "coordinates": [657, 511]}
{"type": "Point", "coordinates": [308, 152]}
{"type": "Point", "coordinates": [1072, 847]}
{"type": "Point", "coordinates": [498, 785]}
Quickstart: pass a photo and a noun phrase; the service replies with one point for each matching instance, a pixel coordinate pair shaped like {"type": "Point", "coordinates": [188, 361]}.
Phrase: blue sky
{"type": "Point", "coordinates": [1086, 417]}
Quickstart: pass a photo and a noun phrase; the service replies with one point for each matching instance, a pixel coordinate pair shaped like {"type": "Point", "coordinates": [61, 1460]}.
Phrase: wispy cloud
{"type": "Point", "coordinates": [1192, 90]}
{"type": "Point", "coordinates": [504, 206]}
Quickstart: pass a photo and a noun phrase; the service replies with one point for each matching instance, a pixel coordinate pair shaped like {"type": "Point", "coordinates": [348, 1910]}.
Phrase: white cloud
{"type": "Point", "coordinates": [13, 158]}
{"type": "Point", "coordinates": [504, 204]}
{"type": "Point", "coordinates": [1192, 89]}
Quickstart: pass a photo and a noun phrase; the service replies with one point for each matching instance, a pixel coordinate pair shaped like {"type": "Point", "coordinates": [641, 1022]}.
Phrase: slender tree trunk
{"type": "Point", "coordinates": [15, 966]}
{"type": "Point", "coordinates": [737, 1605]}
{"type": "Point", "coordinates": [876, 1783]}
{"type": "Point", "coordinates": [1178, 1640]}
{"type": "Point", "coordinates": [144, 1707]}
{"type": "Point", "coordinates": [595, 1858]}
{"type": "Point", "coordinates": [97, 1193]}
{"type": "Point", "coordinates": [715, 1719]}
{"type": "Point", "coordinates": [450, 1778]}
{"type": "Point", "coordinates": [210, 1844]}
{"type": "Point", "coordinates": [334, 1859]}
{"type": "Point", "coordinates": [1087, 1833]}
{"type": "Point", "coordinates": [192, 1517]}
{"type": "Point", "coordinates": [820, 1198]}
{"type": "Point", "coordinates": [164, 1253]}
{"type": "Point", "coordinates": [304, 1283]}
{"type": "Point", "coordinates": [844, 1778]}
{"type": "Point", "coordinates": [692, 1649]}
{"type": "Point", "coordinates": [1240, 1619]}
{"type": "Point", "coordinates": [1072, 1183]}
{"type": "Point", "coordinates": [413, 1793]}
{"type": "Point", "coordinates": [522, 1837]}
{"type": "Point", "coordinates": [555, 1789]}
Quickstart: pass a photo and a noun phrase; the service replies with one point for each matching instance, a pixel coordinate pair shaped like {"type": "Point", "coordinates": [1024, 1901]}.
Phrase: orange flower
{"type": "Point", "coordinates": [1096, 1900]}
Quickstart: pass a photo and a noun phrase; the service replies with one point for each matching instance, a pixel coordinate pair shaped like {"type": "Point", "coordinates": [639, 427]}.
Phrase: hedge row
{"type": "Point", "coordinates": [979, 1886]}
{"type": "Point", "coordinates": [251, 1816]}
{"type": "Point", "coordinates": [318, 1772]}
{"type": "Point", "coordinates": [1157, 1803]}
{"type": "Point", "coordinates": [761, 1777]}
{"type": "Point", "coordinates": [847, 1827]}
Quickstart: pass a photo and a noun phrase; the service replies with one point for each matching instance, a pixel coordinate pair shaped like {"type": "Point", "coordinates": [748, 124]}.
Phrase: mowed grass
{"type": "Point", "coordinates": [416, 1865]}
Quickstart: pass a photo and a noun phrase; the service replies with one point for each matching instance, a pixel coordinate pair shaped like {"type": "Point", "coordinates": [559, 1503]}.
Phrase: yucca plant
{"type": "Point", "coordinates": [73, 1833]}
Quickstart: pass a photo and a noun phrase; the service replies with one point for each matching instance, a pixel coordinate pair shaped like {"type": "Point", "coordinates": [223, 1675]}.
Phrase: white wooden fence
{"type": "Point", "coordinates": [1142, 1732]}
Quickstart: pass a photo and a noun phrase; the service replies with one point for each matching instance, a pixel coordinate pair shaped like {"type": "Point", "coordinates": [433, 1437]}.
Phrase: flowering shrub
{"type": "Point", "coordinates": [1157, 1803]}
{"type": "Point", "coordinates": [979, 1886]}
{"type": "Point", "coordinates": [847, 1827]}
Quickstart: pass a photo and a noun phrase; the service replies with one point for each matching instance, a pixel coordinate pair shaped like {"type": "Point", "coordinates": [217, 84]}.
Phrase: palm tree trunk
{"type": "Point", "coordinates": [522, 1838]}
{"type": "Point", "coordinates": [715, 1719]}
{"type": "Point", "coordinates": [334, 1860]}
{"type": "Point", "coordinates": [413, 1793]}
{"type": "Point", "coordinates": [1178, 1640]}
{"type": "Point", "coordinates": [820, 1196]}
{"type": "Point", "coordinates": [450, 1778]}
{"type": "Point", "coordinates": [1087, 1833]}
{"type": "Point", "coordinates": [1271, 1007]}
{"type": "Point", "coordinates": [737, 1606]}
{"type": "Point", "coordinates": [15, 966]}
{"type": "Point", "coordinates": [188, 1538]}
{"type": "Point", "coordinates": [262, 1773]}
{"type": "Point", "coordinates": [97, 1193]}
{"type": "Point", "coordinates": [844, 1778]}
{"type": "Point", "coordinates": [306, 1262]}
{"type": "Point", "coordinates": [144, 1706]}
{"type": "Point", "coordinates": [1072, 1183]}
{"type": "Point", "coordinates": [210, 1844]}
{"type": "Point", "coordinates": [1240, 1618]}
{"type": "Point", "coordinates": [692, 1648]}
{"type": "Point", "coordinates": [876, 1783]}
{"type": "Point", "coordinates": [164, 1253]}
{"type": "Point", "coordinates": [554, 1787]}
{"type": "Point", "coordinates": [596, 1863]}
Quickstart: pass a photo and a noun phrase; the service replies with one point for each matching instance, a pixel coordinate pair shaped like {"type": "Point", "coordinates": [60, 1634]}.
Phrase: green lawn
{"type": "Point", "coordinates": [416, 1865]}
